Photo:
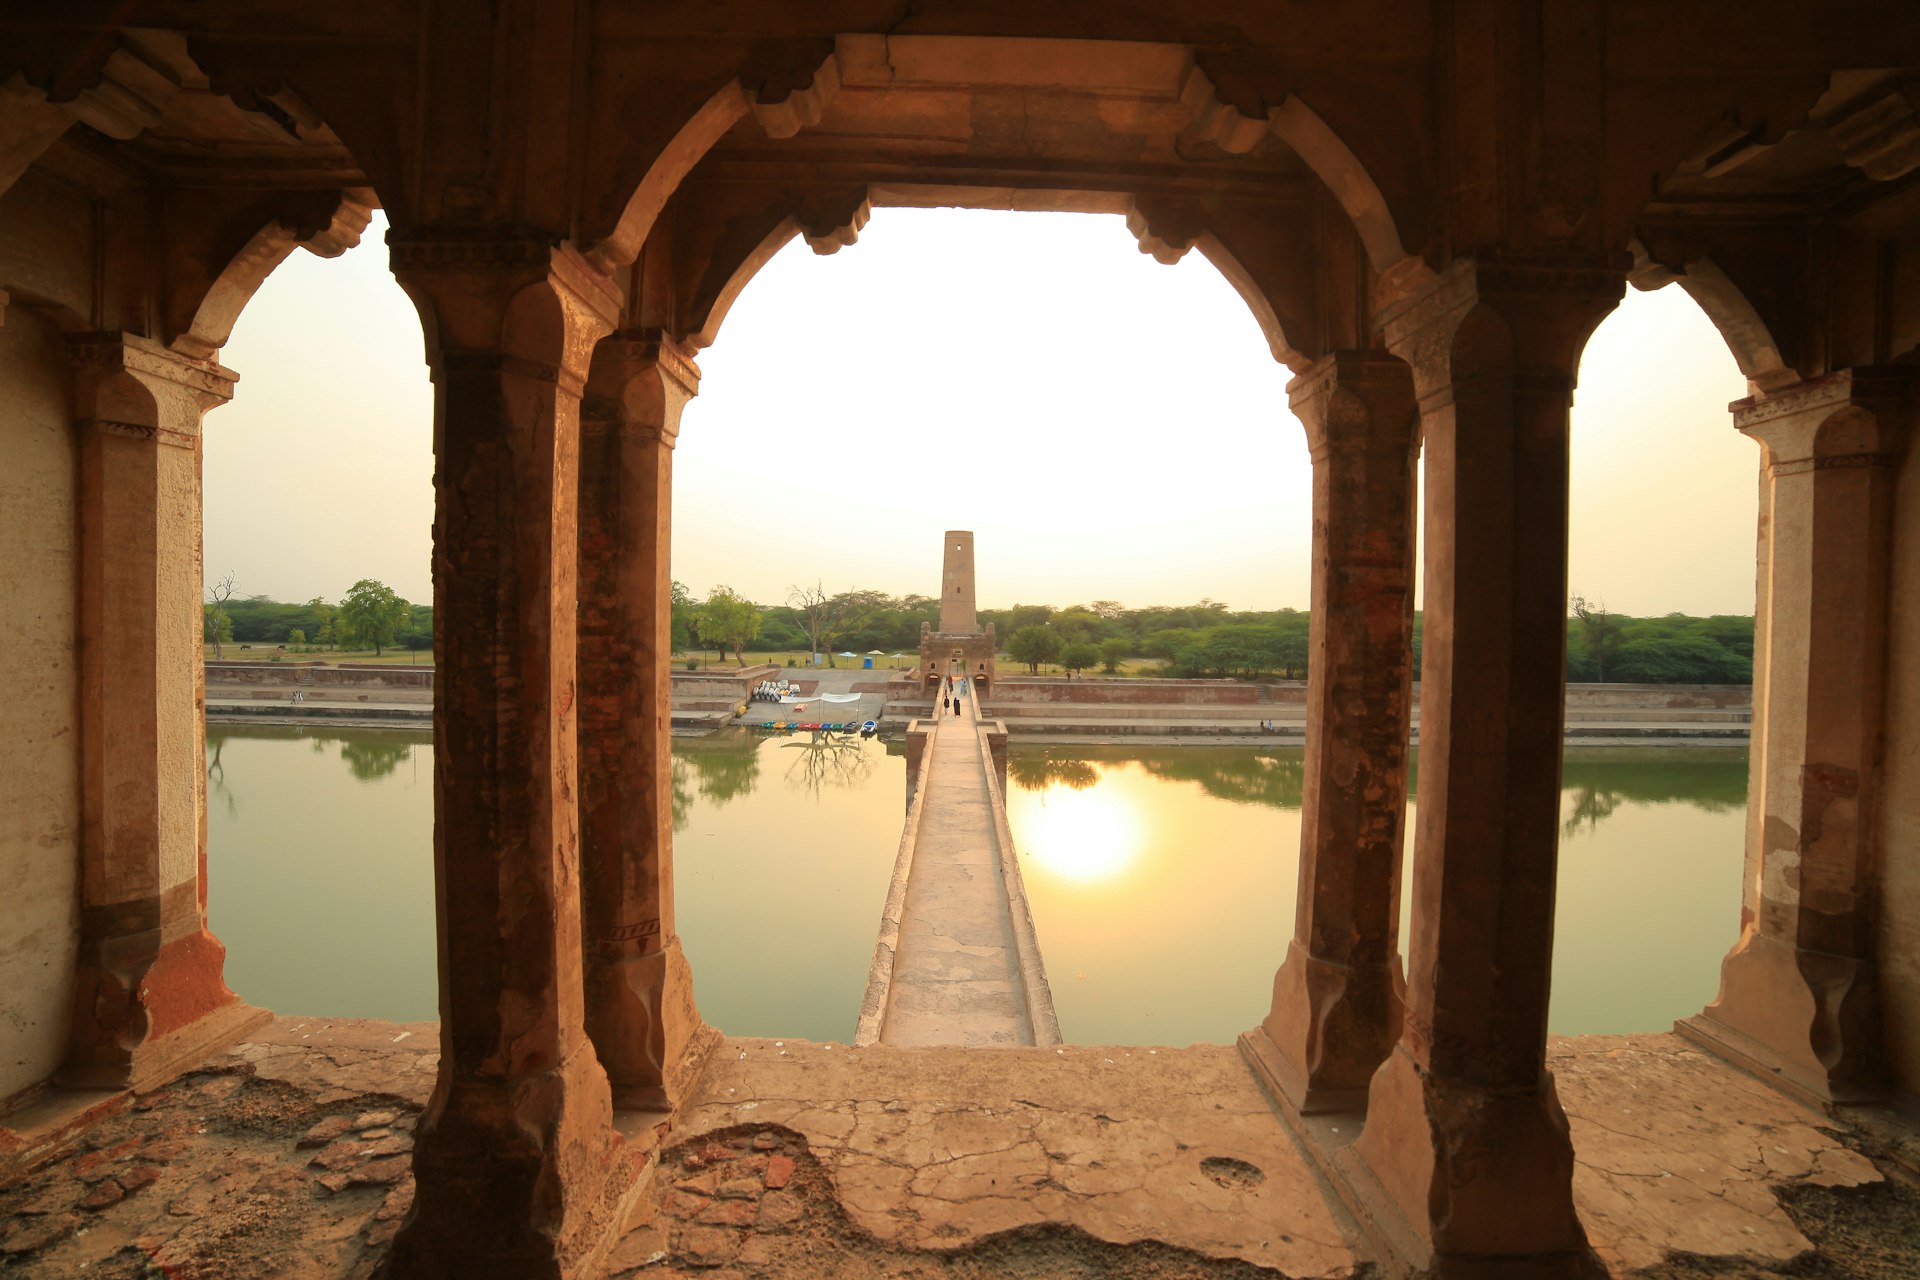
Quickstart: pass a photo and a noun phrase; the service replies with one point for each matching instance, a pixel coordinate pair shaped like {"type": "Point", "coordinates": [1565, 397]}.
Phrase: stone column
{"type": "Point", "coordinates": [1337, 996]}
{"type": "Point", "coordinates": [519, 1171]}
{"type": "Point", "coordinates": [1799, 1003]}
{"type": "Point", "coordinates": [150, 999]}
{"type": "Point", "coordinates": [639, 991]}
{"type": "Point", "coordinates": [1465, 1154]}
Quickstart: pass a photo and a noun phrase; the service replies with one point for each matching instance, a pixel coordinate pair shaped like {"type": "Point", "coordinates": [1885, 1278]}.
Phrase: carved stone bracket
{"type": "Point", "coordinates": [1879, 134]}
{"type": "Point", "coordinates": [786, 105]}
{"type": "Point", "coordinates": [1216, 121]}
{"type": "Point", "coordinates": [829, 225]}
{"type": "Point", "coordinates": [131, 93]}
{"type": "Point", "coordinates": [1166, 231]}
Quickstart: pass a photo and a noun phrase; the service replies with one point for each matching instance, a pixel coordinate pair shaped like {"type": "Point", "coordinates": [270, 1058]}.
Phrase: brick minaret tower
{"type": "Point", "coordinates": [957, 616]}
{"type": "Point", "coordinates": [959, 647]}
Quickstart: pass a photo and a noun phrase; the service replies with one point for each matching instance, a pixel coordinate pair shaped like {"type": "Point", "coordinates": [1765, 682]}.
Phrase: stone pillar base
{"type": "Point", "coordinates": [655, 1070]}
{"type": "Point", "coordinates": [162, 1058]}
{"type": "Point", "coordinates": [1776, 1004]}
{"type": "Point", "coordinates": [177, 1013]}
{"type": "Point", "coordinates": [530, 1182]}
{"type": "Point", "coordinates": [1330, 1027]}
{"type": "Point", "coordinates": [1462, 1182]}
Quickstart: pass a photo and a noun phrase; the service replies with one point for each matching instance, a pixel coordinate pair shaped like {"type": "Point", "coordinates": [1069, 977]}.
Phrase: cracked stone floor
{"type": "Point", "coordinates": [288, 1158]}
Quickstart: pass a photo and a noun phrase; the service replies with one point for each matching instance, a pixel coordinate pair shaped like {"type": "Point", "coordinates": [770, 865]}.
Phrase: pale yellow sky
{"type": "Point", "coordinates": [1109, 428]}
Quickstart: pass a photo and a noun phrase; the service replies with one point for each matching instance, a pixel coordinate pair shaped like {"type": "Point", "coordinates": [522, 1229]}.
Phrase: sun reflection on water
{"type": "Point", "coordinates": [1081, 835]}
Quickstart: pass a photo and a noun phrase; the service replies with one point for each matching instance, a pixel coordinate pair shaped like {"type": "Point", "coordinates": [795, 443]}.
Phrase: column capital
{"type": "Point", "coordinates": [1550, 305]}
{"type": "Point", "coordinates": [1792, 423]}
{"type": "Point", "coordinates": [1355, 400]}
{"type": "Point", "coordinates": [639, 380]}
{"type": "Point", "coordinates": [175, 390]}
{"type": "Point", "coordinates": [635, 351]}
{"type": "Point", "coordinates": [107, 352]}
{"type": "Point", "coordinates": [470, 281]}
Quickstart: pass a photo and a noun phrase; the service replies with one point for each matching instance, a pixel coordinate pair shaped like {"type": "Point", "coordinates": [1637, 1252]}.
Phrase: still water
{"type": "Point", "coordinates": [1161, 879]}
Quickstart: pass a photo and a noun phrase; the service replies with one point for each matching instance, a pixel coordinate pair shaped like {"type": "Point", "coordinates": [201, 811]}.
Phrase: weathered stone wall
{"type": "Point", "coordinates": [1015, 689]}
{"type": "Point", "coordinates": [1643, 697]}
{"type": "Point", "coordinates": [39, 788]}
{"type": "Point", "coordinates": [1899, 818]}
{"type": "Point", "coordinates": [1029, 689]}
{"type": "Point", "coordinates": [291, 674]}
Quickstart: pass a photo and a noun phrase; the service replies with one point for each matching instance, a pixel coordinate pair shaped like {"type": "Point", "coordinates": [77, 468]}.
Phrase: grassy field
{"type": "Point", "coordinates": [264, 652]}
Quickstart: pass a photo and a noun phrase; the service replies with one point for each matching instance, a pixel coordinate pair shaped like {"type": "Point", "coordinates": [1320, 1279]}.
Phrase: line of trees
{"type": "Point", "coordinates": [810, 621]}
{"type": "Point", "coordinates": [1197, 640]}
{"type": "Point", "coordinates": [371, 615]}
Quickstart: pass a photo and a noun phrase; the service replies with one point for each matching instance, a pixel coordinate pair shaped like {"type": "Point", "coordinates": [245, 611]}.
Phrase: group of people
{"type": "Point", "coordinates": [951, 693]}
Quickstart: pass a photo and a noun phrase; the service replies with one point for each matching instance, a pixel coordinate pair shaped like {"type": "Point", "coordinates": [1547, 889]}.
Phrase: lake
{"type": "Point", "coordinates": [1161, 878]}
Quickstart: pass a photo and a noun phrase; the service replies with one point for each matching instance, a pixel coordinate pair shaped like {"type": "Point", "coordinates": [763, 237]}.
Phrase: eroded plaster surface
{"type": "Point", "coordinates": [940, 1148]}
{"type": "Point", "coordinates": [39, 789]}
{"type": "Point", "coordinates": [1676, 1152]}
{"type": "Point", "coordinates": [1899, 817]}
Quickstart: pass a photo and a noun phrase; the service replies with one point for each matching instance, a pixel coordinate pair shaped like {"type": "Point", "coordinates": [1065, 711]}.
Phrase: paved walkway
{"type": "Point", "coordinates": [956, 967]}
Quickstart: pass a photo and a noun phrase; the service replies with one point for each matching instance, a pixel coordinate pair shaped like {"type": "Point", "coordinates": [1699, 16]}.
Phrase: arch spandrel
{"type": "Point", "coordinates": [1754, 349]}
{"type": "Point", "coordinates": [783, 89]}
{"type": "Point", "coordinates": [221, 299]}
{"type": "Point", "coordinates": [712, 238]}
{"type": "Point", "coordinates": [1004, 115]}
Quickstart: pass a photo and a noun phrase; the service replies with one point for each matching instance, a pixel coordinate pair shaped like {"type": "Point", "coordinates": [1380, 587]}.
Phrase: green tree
{"type": "Point", "coordinates": [322, 613]}
{"type": "Point", "coordinates": [682, 606]}
{"type": "Point", "coordinates": [374, 613]}
{"type": "Point", "coordinates": [296, 637]}
{"type": "Point", "coordinates": [1034, 645]}
{"type": "Point", "coordinates": [1600, 630]}
{"type": "Point", "coordinates": [1079, 655]}
{"type": "Point", "coordinates": [1113, 653]}
{"type": "Point", "coordinates": [728, 619]}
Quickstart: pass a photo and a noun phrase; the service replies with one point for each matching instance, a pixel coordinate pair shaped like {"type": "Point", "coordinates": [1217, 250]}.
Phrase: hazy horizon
{"type": "Point", "coordinates": [1108, 427]}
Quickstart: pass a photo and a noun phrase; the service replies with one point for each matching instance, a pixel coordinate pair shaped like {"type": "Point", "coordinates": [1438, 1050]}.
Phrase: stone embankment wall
{"type": "Point", "coordinates": [1099, 706]}
{"type": "Point", "coordinates": [1095, 691]}
{"type": "Point", "coordinates": [1019, 690]}
{"type": "Point", "coordinates": [311, 675]}
{"type": "Point", "coordinates": [719, 688]}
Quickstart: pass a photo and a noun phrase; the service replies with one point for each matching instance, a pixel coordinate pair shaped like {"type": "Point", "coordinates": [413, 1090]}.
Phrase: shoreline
{"type": "Point", "coordinates": [417, 719]}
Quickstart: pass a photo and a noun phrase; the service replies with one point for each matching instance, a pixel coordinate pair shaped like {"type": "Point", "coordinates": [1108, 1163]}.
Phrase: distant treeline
{"type": "Point", "coordinates": [1209, 639]}
{"type": "Point", "coordinates": [1204, 639]}
{"type": "Point", "coordinates": [259, 620]}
